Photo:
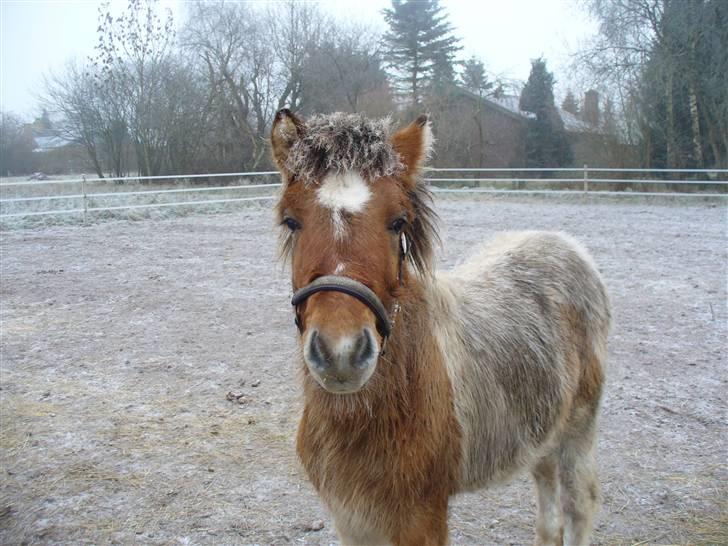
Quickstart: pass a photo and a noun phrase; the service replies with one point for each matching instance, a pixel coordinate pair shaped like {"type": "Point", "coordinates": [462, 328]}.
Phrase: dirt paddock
{"type": "Point", "coordinates": [149, 389]}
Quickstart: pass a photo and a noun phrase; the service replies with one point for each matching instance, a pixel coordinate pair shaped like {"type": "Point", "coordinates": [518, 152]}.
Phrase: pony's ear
{"type": "Point", "coordinates": [414, 143]}
{"type": "Point", "coordinates": [286, 130]}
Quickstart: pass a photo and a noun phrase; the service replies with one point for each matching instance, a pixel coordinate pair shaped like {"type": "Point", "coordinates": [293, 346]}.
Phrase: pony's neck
{"type": "Point", "coordinates": [411, 324]}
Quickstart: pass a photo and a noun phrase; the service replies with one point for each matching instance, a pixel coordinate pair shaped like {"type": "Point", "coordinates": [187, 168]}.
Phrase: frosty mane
{"type": "Point", "coordinates": [339, 142]}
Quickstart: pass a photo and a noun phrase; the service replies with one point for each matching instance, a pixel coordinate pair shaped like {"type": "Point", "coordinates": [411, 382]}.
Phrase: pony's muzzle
{"type": "Point", "coordinates": [344, 364]}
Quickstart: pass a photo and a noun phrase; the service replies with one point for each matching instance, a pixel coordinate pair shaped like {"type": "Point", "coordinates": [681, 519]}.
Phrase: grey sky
{"type": "Point", "coordinates": [39, 36]}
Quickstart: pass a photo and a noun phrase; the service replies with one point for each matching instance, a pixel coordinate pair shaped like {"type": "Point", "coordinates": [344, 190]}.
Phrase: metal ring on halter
{"type": "Point", "coordinates": [346, 285]}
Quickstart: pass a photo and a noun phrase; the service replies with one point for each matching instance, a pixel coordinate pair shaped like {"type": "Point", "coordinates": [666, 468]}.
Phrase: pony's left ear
{"type": "Point", "coordinates": [287, 129]}
{"type": "Point", "coordinates": [414, 143]}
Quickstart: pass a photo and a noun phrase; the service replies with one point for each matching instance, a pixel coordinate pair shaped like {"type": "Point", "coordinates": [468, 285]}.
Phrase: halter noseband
{"type": "Point", "coordinates": [351, 287]}
{"type": "Point", "coordinates": [346, 285]}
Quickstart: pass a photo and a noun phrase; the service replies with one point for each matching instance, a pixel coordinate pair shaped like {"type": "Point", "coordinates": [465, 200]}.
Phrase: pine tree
{"type": "Point", "coordinates": [419, 47]}
{"type": "Point", "coordinates": [474, 77]}
{"type": "Point", "coordinates": [547, 144]}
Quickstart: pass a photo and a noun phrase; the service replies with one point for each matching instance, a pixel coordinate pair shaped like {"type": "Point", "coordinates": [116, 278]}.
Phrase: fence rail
{"type": "Point", "coordinates": [135, 178]}
{"type": "Point", "coordinates": [717, 179]}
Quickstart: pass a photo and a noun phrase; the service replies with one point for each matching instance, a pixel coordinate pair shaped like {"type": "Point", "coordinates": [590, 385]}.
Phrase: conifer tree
{"type": "Point", "coordinates": [547, 144]}
{"type": "Point", "coordinates": [419, 46]}
{"type": "Point", "coordinates": [474, 77]}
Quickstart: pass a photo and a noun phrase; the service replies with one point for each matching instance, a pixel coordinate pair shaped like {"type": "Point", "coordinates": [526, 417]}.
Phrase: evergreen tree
{"type": "Point", "coordinates": [419, 47]}
{"type": "Point", "coordinates": [474, 77]}
{"type": "Point", "coordinates": [547, 144]}
{"type": "Point", "coordinates": [443, 74]}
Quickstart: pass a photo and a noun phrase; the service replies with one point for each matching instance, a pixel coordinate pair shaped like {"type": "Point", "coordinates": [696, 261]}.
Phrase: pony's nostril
{"type": "Point", "coordinates": [317, 352]}
{"type": "Point", "coordinates": [363, 350]}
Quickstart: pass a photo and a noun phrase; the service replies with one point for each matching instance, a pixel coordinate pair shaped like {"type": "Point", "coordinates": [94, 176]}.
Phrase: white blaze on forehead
{"type": "Point", "coordinates": [343, 193]}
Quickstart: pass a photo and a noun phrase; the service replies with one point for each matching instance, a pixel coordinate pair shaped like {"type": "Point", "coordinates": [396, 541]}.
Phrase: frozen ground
{"type": "Point", "coordinates": [122, 340]}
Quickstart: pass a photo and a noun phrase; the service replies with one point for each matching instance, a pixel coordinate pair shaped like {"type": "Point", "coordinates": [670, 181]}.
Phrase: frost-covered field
{"type": "Point", "coordinates": [121, 341]}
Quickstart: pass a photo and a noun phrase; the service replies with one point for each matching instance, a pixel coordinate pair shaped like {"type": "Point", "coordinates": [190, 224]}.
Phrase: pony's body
{"type": "Point", "coordinates": [492, 368]}
{"type": "Point", "coordinates": [505, 320]}
{"type": "Point", "coordinates": [503, 353]}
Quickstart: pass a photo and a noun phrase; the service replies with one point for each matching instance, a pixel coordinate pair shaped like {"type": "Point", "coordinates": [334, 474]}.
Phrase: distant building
{"type": "Point", "coordinates": [503, 126]}
{"type": "Point", "coordinates": [45, 137]}
{"type": "Point", "coordinates": [53, 153]}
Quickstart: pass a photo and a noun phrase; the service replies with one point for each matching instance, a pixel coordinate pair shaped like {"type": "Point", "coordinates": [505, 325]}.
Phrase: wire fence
{"type": "Point", "coordinates": [91, 195]}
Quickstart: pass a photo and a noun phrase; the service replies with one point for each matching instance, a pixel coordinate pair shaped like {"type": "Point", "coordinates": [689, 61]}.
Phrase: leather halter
{"type": "Point", "coordinates": [346, 285]}
{"type": "Point", "coordinates": [351, 287]}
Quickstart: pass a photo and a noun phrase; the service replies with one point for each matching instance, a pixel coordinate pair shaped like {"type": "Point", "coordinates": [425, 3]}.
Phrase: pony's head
{"type": "Point", "coordinates": [357, 224]}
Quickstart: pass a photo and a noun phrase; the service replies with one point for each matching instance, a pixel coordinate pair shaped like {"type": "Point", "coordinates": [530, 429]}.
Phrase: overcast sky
{"type": "Point", "coordinates": [39, 36]}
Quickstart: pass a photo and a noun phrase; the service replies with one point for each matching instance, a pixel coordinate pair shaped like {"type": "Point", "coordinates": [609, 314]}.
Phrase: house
{"type": "Point", "coordinates": [52, 152]}
{"type": "Point", "coordinates": [43, 135]}
{"type": "Point", "coordinates": [492, 133]}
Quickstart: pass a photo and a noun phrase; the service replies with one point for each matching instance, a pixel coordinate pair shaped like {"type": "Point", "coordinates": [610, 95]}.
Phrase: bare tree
{"type": "Point", "coordinates": [665, 62]}
{"type": "Point", "coordinates": [131, 61]}
{"type": "Point", "coordinates": [254, 61]}
{"type": "Point", "coordinates": [344, 71]}
{"type": "Point", "coordinates": [296, 29]}
{"type": "Point", "coordinates": [232, 43]}
{"type": "Point", "coordinates": [90, 117]}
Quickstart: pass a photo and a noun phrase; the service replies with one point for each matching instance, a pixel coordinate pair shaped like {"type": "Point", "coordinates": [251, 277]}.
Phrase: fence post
{"type": "Point", "coordinates": [85, 201]}
{"type": "Point", "coordinates": [586, 178]}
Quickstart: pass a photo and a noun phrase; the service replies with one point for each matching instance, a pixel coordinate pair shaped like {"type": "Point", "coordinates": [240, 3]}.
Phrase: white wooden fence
{"type": "Point", "coordinates": [589, 180]}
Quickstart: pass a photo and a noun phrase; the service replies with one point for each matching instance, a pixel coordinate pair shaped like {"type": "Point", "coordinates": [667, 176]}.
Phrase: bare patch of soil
{"type": "Point", "coordinates": [149, 388]}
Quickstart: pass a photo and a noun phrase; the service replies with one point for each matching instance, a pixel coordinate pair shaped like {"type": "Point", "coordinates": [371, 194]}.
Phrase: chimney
{"type": "Point", "coordinates": [591, 107]}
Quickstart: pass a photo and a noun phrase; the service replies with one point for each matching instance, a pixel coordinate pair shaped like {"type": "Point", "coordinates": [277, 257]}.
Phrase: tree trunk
{"type": "Point", "coordinates": [481, 143]}
{"type": "Point", "coordinates": [95, 160]}
{"type": "Point", "coordinates": [695, 120]}
{"type": "Point", "coordinates": [670, 140]}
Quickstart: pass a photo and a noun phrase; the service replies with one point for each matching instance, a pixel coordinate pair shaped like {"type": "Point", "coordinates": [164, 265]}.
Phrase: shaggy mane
{"type": "Point", "coordinates": [339, 142]}
{"type": "Point", "coordinates": [422, 233]}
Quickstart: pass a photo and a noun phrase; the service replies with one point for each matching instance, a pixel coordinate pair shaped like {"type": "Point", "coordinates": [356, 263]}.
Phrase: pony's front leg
{"type": "Point", "coordinates": [356, 530]}
{"type": "Point", "coordinates": [424, 526]}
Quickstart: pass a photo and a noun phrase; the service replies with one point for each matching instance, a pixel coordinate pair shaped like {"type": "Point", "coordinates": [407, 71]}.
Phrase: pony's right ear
{"type": "Point", "coordinates": [286, 130]}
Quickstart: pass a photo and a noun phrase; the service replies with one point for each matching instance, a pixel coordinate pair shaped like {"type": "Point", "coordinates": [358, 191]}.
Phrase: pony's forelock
{"type": "Point", "coordinates": [340, 142]}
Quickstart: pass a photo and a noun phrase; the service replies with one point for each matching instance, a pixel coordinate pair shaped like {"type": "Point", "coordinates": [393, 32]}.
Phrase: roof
{"type": "Point", "coordinates": [46, 141]}
{"type": "Point", "coordinates": [572, 123]}
{"type": "Point", "coordinates": [509, 104]}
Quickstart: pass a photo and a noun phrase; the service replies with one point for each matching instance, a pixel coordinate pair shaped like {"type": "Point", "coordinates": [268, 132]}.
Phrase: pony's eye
{"type": "Point", "coordinates": [398, 225]}
{"type": "Point", "coordinates": [291, 224]}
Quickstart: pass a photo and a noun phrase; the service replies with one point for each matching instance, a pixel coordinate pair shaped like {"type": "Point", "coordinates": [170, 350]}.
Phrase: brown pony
{"type": "Point", "coordinates": [420, 385]}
